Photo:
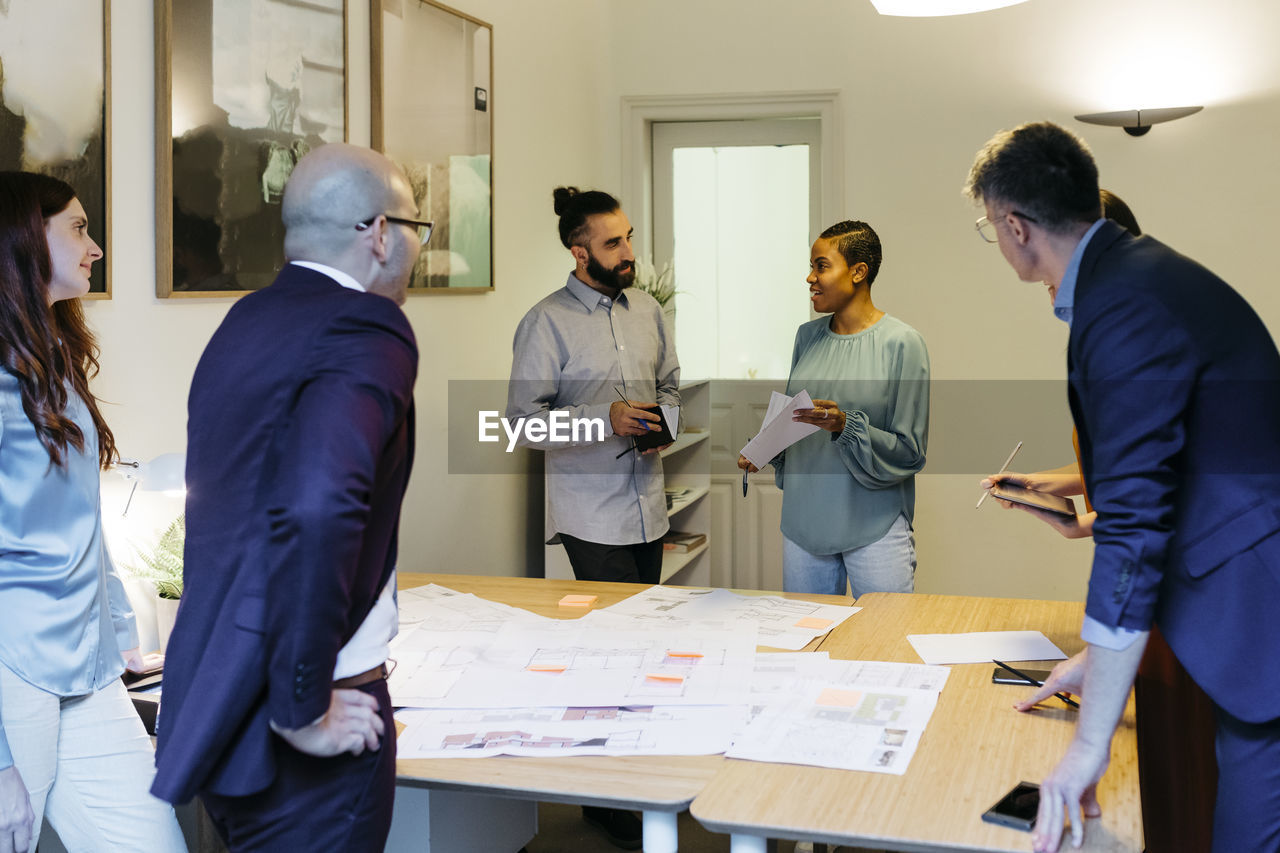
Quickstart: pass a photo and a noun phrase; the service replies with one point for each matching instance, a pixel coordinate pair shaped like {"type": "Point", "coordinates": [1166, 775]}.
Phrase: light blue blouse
{"type": "Point", "coordinates": [844, 491]}
{"type": "Point", "coordinates": [64, 617]}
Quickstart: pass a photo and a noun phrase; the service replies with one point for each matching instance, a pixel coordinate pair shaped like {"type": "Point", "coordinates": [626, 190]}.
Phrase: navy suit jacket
{"type": "Point", "coordinates": [1175, 390]}
{"type": "Point", "coordinates": [300, 441]}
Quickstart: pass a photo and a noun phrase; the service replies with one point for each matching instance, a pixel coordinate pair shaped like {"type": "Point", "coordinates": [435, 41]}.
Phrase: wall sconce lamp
{"type": "Point", "coordinates": [938, 8]}
{"type": "Point", "coordinates": [1137, 122]}
{"type": "Point", "coordinates": [165, 473]}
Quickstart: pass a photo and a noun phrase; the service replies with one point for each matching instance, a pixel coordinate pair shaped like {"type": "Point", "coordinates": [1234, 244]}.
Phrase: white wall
{"type": "Point", "coordinates": [919, 96]}
{"type": "Point", "coordinates": [464, 523]}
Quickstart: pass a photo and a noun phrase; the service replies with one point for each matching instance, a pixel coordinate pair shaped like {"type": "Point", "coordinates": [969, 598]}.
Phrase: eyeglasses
{"type": "Point", "coordinates": [987, 229]}
{"type": "Point", "coordinates": [424, 226]}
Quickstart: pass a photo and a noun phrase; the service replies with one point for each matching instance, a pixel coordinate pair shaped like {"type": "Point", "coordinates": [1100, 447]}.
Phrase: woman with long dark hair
{"type": "Point", "coordinates": [72, 749]}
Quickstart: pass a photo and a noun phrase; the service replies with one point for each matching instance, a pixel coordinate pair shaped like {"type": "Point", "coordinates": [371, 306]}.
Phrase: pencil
{"type": "Point", "coordinates": [1016, 448]}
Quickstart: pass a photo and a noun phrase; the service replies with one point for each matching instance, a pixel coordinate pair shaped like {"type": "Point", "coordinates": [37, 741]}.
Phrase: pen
{"type": "Point", "coordinates": [1016, 448]}
{"type": "Point", "coordinates": [1064, 697]}
{"type": "Point", "coordinates": [744, 482]}
{"type": "Point", "coordinates": [627, 403]}
{"type": "Point", "coordinates": [623, 398]}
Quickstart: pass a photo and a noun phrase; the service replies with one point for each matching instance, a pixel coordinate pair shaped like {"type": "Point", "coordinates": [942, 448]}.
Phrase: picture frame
{"type": "Point", "coordinates": [431, 107]}
{"type": "Point", "coordinates": [57, 119]}
{"type": "Point", "coordinates": [244, 88]}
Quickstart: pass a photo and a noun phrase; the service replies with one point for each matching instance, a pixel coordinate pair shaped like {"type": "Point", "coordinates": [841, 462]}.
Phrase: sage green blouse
{"type": "Point", "coordinates": [843, 491]}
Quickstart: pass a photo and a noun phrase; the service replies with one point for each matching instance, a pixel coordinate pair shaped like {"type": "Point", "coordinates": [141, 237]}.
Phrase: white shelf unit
{"type": "Point", "coordinates": [686, 465]}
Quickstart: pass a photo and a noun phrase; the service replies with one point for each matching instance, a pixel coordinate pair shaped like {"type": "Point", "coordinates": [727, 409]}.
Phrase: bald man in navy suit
{"type": "Point", "coordinates": [1174, 386]}
{"type": "Point", "coordinates": [300, 442]}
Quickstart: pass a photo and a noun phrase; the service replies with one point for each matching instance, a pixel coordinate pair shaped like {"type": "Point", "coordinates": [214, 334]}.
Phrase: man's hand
{"type": "Point", "coordinates": [1070, 791]}
{"type": "Point", "coordinates": [1067, 677]}
{"type": "Point", "coordinates": [825, 414]}
{"type": "Point", "coordinates": [745, 464]}
{"type": "Point", "coordinates": [630, 418]}
{"type": "Point", "coordinates": [352, 724]}
{"type": "Point", "coordinates": [16, 818]}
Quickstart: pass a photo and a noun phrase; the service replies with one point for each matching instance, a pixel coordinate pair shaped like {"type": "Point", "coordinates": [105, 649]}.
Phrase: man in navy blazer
{"type": "Point", "coordinates": [1175, 390]}
{"type": "Point", "coordinates": [300, 440]}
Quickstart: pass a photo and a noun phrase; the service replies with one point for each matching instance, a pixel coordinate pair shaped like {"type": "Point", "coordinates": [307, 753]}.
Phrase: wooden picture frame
{"type": "Point", "coordinates": [244, 88]}
{"type": "Point", "coordinates": [431, 105]}
{"type": "Point", "coordinates": [55, 64]}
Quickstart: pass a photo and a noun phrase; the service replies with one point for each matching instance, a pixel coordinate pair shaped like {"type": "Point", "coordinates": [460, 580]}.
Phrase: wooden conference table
{"type": "Point", "coordinates": [660, 787]}
{"type": "Point", "coordinates": [975, 749]}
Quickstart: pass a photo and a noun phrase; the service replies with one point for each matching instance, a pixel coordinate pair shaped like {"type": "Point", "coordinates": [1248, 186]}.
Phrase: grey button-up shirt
{"type": "Point", "coordinates": [574, 353]}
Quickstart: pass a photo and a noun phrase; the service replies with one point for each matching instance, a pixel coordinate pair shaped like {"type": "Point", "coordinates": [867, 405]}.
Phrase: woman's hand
{"type": "Point", "coordinates": [135, 661]}
{"type": "Point", "coordinates": [1056, 482]}
{"type": "Point", "coordinates": [745, 464]}
{"type": "Point", "coordinates": [16, 818]}
{"type": "Point", "coordinates": [825, 414]}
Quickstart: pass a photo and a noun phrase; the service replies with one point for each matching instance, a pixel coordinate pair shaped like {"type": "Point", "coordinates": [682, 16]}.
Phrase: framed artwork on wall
{"type": "Point", "coordinates": [244, 89]}
{"type": "Point", "coordinates": [55, 68]}
{"type": "Point", "coordinates": [432, 113]}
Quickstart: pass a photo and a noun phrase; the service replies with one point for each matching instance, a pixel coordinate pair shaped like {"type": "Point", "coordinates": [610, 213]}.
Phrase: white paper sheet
{"type": "Point", "coordinates": [562, 731]}
{"type": "Point", "coordinates": [782, 623]}
{"type": "Point", "coordinates": [850, 728]}
{"type": "Point", "coordinates": [778, 431]}
{"type": "Point", "coordinates": [984, 646]}
{"type": "Point", "coordinates": [585, 662]}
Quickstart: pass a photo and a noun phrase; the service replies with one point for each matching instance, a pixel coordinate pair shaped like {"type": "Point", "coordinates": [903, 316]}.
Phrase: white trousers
{"type": "Point", "coordinates": [87, 763]}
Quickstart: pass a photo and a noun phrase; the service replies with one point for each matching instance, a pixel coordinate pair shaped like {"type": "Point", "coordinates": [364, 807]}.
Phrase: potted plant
{"type": "Point", "coordinates": [162, 567]}
{"type": "Point", "coordinates": [661, 285]}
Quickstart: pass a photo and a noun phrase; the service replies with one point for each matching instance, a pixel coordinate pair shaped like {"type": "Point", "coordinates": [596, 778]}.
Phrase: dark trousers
{"type": "Point", "coordinates": [592, 561]}
{"type": "Point", "coordinates": [339, 803]}
{"type": "Point", "coordinates": [1247, 813]}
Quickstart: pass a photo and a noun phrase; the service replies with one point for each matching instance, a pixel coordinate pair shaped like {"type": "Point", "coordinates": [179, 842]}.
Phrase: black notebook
{"type": "Point", "coordinates": [656, 437]}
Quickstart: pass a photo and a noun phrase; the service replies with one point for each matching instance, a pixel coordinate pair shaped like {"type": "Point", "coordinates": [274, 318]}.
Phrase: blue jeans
{"type": "Point", "coordinates": [886, 565]}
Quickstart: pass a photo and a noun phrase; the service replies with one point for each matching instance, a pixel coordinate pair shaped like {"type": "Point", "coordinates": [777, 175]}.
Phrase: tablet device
{"type": "Point", "coordinates": [1030, 497]}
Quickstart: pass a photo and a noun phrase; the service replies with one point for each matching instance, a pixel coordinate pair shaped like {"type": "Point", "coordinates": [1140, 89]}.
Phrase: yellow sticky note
{"type": "Point", "coordinates": [545, 667]}
{"type": "Point", "coordinates": [813, 622]}
{"type": "Point", "coordinates": [838, 697]}
{"type": "Point", "coordinates": [578, 600]}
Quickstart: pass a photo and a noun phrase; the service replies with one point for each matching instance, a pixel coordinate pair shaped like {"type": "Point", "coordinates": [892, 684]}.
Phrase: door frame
{"type": "Point", "coordinates": [639, 112]}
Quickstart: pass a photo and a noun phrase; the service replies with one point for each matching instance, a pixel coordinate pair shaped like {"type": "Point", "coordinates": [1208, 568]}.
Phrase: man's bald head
{"type": "Point", "coordinates": [331, 189]}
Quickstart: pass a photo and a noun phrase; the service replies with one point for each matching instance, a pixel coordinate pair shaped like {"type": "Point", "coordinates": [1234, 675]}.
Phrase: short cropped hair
{"type": "Point", "coordinates": [574, 206]}
{"type": "Point", "coordinates": [858, 243]}
{"type": "Point", "coordinates": [1045, 171]}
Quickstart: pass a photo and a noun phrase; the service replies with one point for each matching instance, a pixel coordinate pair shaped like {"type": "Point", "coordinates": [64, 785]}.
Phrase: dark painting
{"type": "Point", "coordinates": [255, 85]}
{"type": "Point", "coordinates": [53, 114]}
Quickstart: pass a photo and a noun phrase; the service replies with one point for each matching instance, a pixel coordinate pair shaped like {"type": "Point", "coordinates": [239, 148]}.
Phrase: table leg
{"type": "Point", "coordinates": [747, 844]}
{"type": "Point", "coordinates": [660, 835]}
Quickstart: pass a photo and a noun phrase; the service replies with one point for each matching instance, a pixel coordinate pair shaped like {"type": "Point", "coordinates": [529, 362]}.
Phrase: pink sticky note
{"type": "Point", "coordinates": [813, 622]}
{"type": "Point", "coordinates": [545, 667]}
{"type": "Point", "coordinates": [578, 600]}
{"type": "Point", "coordinates": [842, 698]}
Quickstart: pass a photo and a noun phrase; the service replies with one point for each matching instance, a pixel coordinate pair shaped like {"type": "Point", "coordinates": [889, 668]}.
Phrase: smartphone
{"type": "Point", "coordinates": [1004, 676]}
{"type": "Point", "coordinates": [1016, 809]}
